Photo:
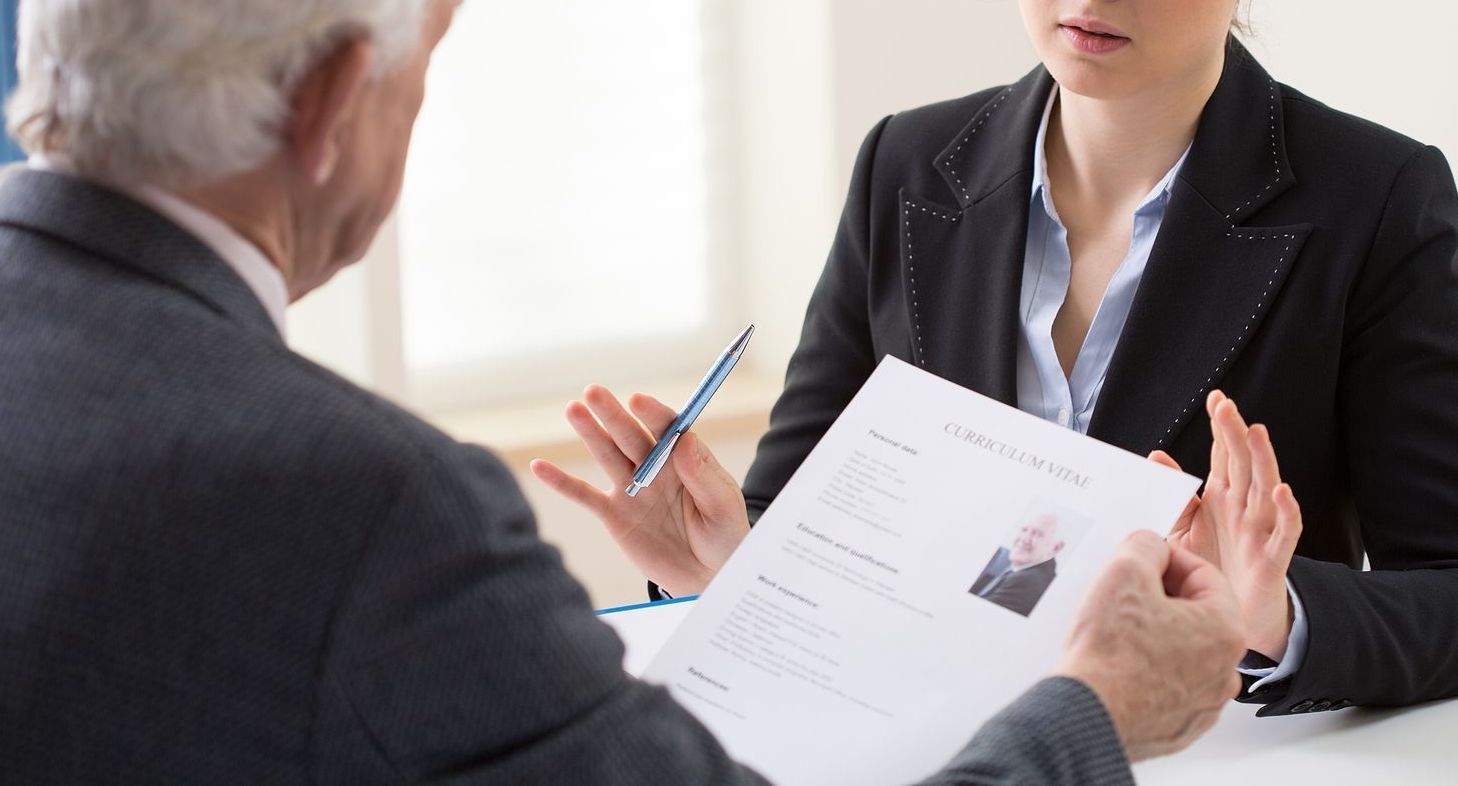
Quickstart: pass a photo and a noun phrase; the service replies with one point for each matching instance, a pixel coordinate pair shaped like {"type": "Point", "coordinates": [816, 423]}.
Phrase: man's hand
{"type": "Point", "coordinates": [681, 529]}
{"type": "Point", "coordinates": [1157, 638]}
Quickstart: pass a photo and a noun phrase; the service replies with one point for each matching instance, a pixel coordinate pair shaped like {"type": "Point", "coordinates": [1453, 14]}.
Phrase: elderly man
{"type": "Point", "coordinates": [1016, 577]}
{"type": "Point", "coordinates": [220, 563]}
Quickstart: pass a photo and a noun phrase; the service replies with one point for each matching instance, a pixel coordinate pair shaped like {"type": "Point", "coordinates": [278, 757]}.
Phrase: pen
{"type": "Point", "coordinates": [648, 470]}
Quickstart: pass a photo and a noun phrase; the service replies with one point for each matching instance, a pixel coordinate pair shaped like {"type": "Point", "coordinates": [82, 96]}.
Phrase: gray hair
{"type": "Point", "coordinates": [181, 91]}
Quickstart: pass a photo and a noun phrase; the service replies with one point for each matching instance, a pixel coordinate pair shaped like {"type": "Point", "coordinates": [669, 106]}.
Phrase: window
{"type": "Point", "coordinates": [556, 224]}
{"type": "Point", "coordinates": [593, 194]}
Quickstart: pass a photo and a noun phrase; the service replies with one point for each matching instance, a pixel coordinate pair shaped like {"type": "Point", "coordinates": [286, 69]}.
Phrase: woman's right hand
{"type": "Point", "coordinates": [680, 529]}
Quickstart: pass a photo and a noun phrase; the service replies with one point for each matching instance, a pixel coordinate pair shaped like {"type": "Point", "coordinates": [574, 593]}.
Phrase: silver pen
{"type": "Point", "coordinates": [650, 467]}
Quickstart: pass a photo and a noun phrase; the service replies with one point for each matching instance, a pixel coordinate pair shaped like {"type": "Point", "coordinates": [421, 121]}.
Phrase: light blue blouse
{"type": "Point", "coordinates": [1069, 400]}
{"type": "Point", "coordinates": [1043, 389]}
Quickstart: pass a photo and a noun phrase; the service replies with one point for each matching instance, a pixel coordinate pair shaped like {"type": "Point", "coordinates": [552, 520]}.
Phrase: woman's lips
{"type": "Point", "coordinates": [1091, 42]}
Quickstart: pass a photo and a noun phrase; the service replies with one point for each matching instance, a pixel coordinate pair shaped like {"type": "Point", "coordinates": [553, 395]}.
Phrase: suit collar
{"type": "Point", "coordinates": [1208, 283]}
{"type": "Point", "coordinates": [1205, 294]}
{"type": "Point", "coordinates": [110, 225]}
{"type": "Point", "coordinates": [963, 264]}
{"type": "Point", "coordinates": [1211, 277]}
{"type": "Point", "coordinates": [997, 144]}
{"type": "Point", "coordinates": [1237, 162]}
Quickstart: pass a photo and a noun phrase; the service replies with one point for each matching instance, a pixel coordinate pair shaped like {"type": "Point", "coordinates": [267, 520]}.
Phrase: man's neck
{"type": "Point", "coordinates": [265, 221]}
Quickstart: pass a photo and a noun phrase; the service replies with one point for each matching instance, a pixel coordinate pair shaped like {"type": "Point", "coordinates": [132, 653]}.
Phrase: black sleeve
{"type": "Point", "coordinates": [835, 354]}
{"type": "Point", "coordinates": [1386, 637]}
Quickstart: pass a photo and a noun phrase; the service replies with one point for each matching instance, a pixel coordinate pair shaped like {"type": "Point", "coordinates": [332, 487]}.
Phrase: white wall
{"type": "Point", "coordinates": [789, 186]}
{"type": "Point", "coordinates": [889, 57]}
{"type": "Point", "coordinates": [1393, 63]}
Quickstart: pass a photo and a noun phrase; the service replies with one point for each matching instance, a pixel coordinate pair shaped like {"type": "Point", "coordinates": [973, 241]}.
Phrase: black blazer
{"type": "Point", "coordinates": [1305, 266]}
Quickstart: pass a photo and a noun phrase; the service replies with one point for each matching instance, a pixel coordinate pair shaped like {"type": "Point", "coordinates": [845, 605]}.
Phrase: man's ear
{"type": "Point", "coordinates": [1059, 548]}
{"type": "Point", "coordinates": [322, 102]}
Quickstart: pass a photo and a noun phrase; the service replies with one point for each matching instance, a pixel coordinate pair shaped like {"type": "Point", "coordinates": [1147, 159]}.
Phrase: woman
{"type": "Point", "coordinates": [1144, 218]}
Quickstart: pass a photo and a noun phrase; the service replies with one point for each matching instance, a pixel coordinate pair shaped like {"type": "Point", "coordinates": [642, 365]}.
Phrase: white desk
{"type": "Point", "coordinates": [1416, 745]}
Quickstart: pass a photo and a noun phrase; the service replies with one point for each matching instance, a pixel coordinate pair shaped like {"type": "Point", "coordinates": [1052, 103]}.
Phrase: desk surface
{"type": "Point", "coordinates": [1414, 745]}
{"type": "Point", "coordinates": [1351, 746]}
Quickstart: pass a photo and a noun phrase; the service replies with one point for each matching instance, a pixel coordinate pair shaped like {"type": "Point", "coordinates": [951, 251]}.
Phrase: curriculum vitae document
{"type": "Point", "coordinates": [917, 573]}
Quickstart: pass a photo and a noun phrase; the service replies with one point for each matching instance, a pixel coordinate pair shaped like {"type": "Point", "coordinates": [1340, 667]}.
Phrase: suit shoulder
{"type": "Point", "coordinates": [339, 435]}
{"type": "Point", "coordinates": [902, 149]}
{"type": "Point", "coordinates": [1311, 123]}
{"type": "Point", "coordinates": [372, 423]}
{"type": "Point", "coordinates": [921, 133]}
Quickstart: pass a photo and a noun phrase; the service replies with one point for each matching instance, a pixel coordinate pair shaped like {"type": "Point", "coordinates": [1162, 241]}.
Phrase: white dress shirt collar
{"type": "Point", "coordinates": [265, 280]}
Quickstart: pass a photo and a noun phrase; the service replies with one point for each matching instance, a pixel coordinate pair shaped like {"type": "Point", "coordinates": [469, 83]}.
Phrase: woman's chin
{"type": "Point", "coordinates": [1092, 79]}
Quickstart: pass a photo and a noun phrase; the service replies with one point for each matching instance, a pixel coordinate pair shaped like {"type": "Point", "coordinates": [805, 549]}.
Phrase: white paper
{"type": "Point", "coordinates": [644, 628]}
{"type": "Point", "coordinates": [841, 644]}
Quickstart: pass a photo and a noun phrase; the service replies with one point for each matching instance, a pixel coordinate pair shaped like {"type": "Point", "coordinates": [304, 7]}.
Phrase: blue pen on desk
{"type": "Point", "coordinates": [690, 412]}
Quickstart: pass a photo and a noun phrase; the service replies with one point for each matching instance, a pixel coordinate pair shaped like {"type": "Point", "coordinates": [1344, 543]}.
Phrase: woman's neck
{"type": "Point", "coordinates": [1112, 151]}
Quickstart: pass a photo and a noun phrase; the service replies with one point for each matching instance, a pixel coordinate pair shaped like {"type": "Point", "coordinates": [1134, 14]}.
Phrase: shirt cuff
{"type": "Point", "coordinates": [1295, 647]}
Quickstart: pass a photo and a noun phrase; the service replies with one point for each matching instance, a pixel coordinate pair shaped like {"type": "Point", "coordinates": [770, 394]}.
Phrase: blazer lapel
{"type": "Point", "coordinates": [1204, 293]}
{"type": "Point", "coordinates": [1210, 279]}
{"type": "Point", "coordinates": [963, 262]}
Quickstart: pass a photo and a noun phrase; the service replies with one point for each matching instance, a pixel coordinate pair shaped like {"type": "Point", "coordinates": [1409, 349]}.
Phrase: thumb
{"type": "Point", "coordinates": [1189, 577]}
{"type": "Point", "coordinates": [1141, 559]}
{"type": "Point", "coordinates": [656, 415]}
{"type": "Point", "coordinates": [1165, 459]}
{"type": "Point", "coordinates": [713, 489]}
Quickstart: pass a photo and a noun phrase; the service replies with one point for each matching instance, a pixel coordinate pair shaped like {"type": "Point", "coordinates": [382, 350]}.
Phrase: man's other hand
{"type": "Point", "coordinates": [1157, 638]}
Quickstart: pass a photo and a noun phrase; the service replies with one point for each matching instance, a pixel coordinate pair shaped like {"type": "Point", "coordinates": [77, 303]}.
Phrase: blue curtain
{"type": "Point", "coordinates": [8, 150]}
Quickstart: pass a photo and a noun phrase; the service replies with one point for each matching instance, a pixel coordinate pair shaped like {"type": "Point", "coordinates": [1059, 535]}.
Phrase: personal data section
{"type": "Point", "coordinates": [917, 573]}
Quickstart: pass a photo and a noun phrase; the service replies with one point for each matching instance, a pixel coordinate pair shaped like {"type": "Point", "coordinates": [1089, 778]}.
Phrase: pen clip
{"type": "Point", "coordinates": [650, 470]}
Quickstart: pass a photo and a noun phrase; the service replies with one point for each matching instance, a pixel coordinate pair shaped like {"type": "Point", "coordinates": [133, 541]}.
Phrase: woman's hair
{"type": "Point", "coordinates": [181, 91]}
{"type": "Point", "coordinates": [1240, 23]}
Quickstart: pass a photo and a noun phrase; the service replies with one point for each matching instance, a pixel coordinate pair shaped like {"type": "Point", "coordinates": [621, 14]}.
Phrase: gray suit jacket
{"type": "Point", "coordinates": [220, 563]}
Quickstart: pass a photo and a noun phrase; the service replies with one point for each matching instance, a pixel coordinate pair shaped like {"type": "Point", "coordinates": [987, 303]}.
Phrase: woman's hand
{"type": "Point", "coordinates": [680, 529]}
{"type": "Point", "coordinates": [1247, 523]}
